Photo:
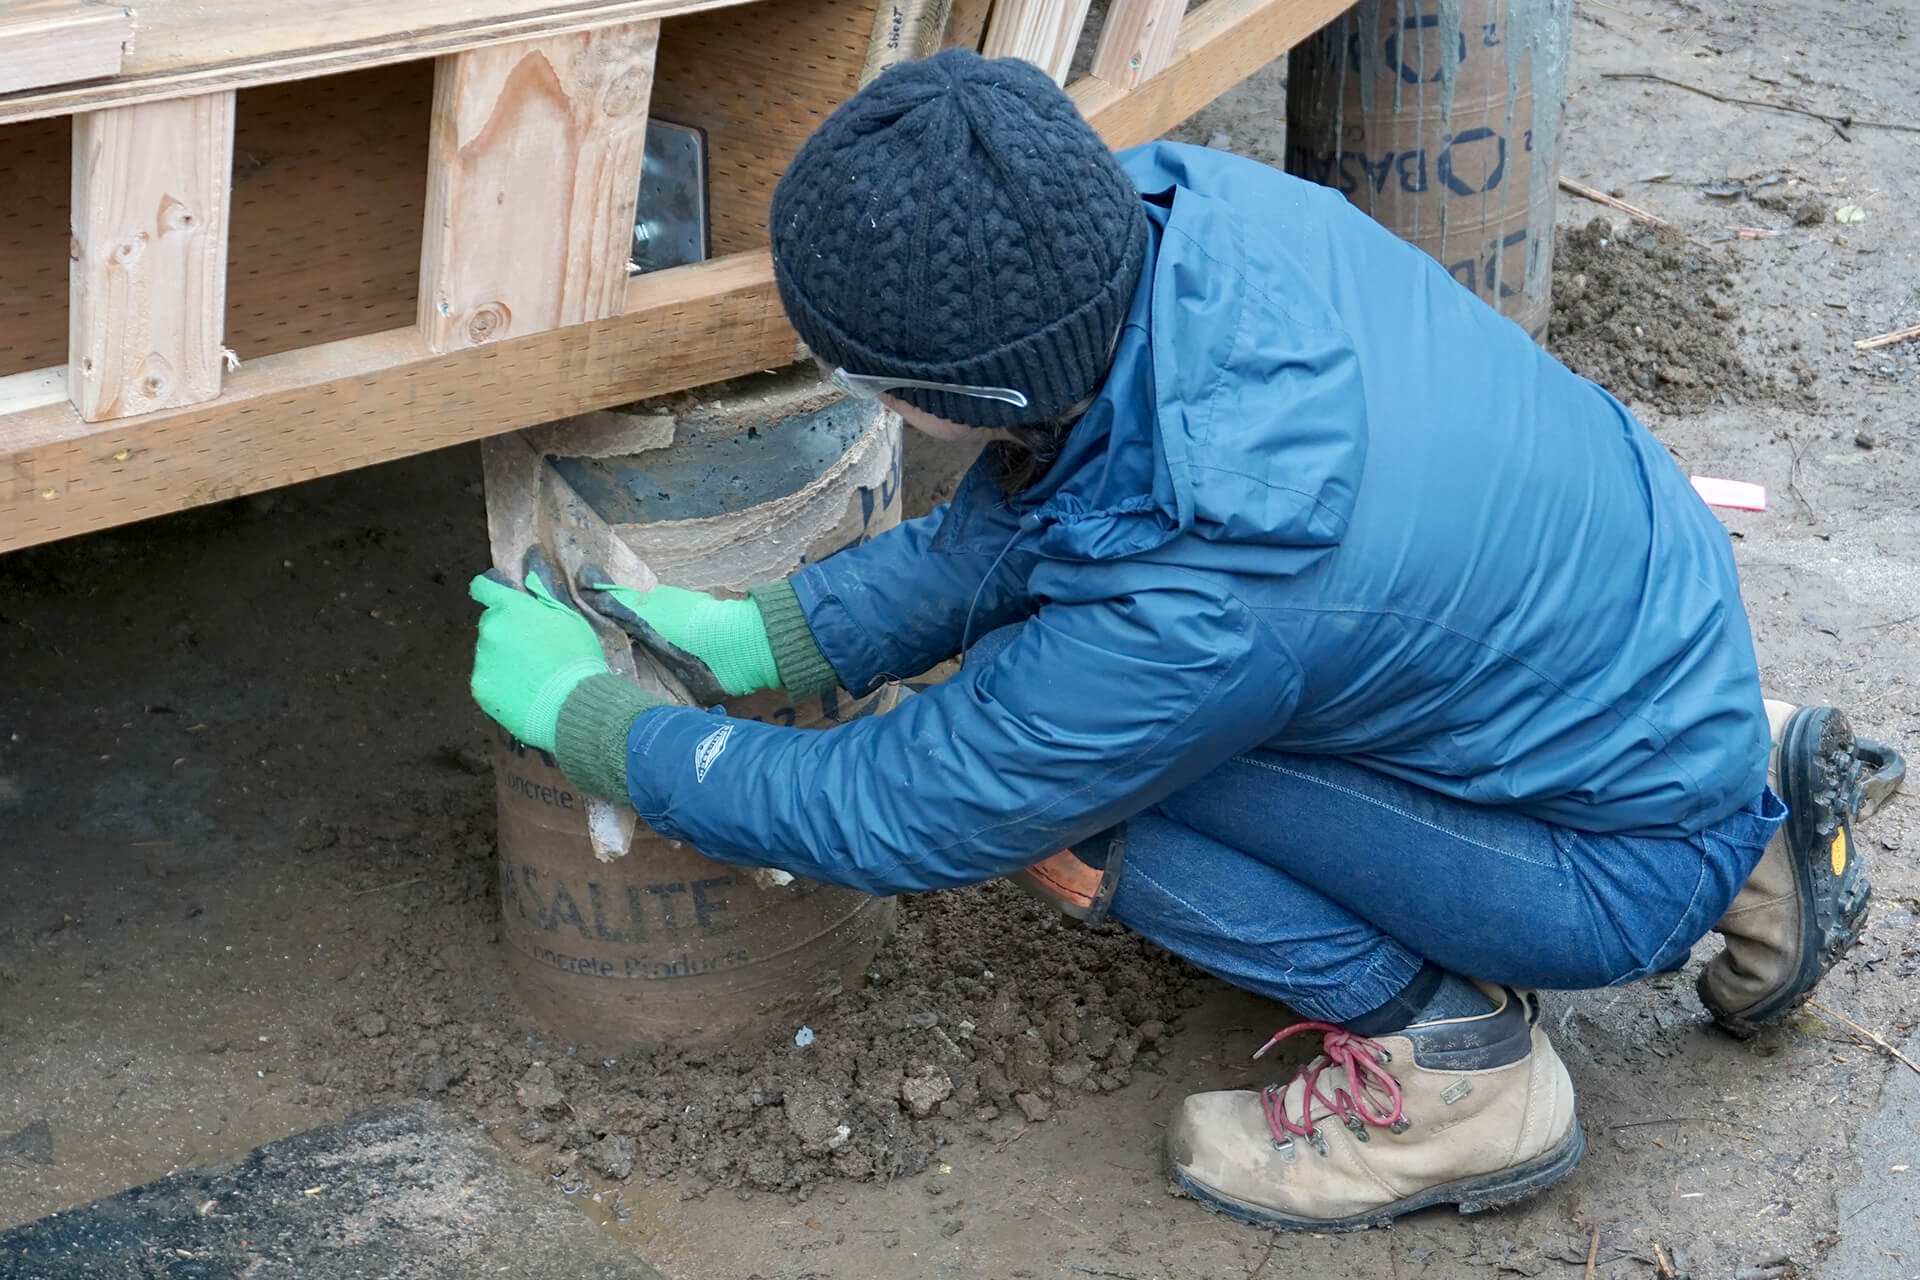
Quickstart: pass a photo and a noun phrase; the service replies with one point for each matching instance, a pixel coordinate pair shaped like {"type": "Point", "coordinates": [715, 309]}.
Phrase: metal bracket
{"type": "Point", "coordinates": [670, 223]}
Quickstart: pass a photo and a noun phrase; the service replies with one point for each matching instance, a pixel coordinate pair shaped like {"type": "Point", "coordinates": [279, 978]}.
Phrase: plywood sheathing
{"type": "Point", "coordinates": [36, 159]}
{"type": "Point", "coordinates": [329, 194]}
{"type": "Point", "coordinates": [759, 82]}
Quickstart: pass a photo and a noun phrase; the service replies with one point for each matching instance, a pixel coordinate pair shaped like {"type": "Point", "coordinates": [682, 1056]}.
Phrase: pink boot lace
{"type": "Point", "coordinates": [1375, 1096]}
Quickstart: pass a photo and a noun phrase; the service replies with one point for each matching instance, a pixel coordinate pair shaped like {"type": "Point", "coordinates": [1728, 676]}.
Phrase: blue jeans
{"type": "Point", "coordinates": [1323, 884]}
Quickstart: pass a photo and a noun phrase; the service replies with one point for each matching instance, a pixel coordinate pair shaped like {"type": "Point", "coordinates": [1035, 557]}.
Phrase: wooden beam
{"type": "Point", "coordinates": [352, 403]}
{"type": "Point", "coordinates": [1044, 32]}
{"type": "Point", "coordinates": [48, 42]}
{"type": "Point", "coordinates": [188, 47]}
{"type": "Point", "coordinates": [34, 389]}
{"type": "Point", "coordinates": [1136, 40]}
{"type": "Point", "coordinates": [148, 281]}
{"type": "Point", "coordinates": [533, 166]}
{"type": "Point", "coordinates": [1221, 43]}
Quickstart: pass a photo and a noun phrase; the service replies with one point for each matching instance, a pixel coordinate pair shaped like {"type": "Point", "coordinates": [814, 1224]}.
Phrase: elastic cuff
{"type": "Point", "coordinates": [804, 670]}
{"type": "Point", "coordinates": [590, 739]}
{"type": "Point", "coordinates": [543, 712]}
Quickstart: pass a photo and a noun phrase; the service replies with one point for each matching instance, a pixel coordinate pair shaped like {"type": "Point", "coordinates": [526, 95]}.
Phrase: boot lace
{"type": "Point", "coordinates": [1371, 1095]}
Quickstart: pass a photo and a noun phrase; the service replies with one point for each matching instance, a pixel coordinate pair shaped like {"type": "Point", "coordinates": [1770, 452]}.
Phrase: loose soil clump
{"type": "Point", "coordinates": [1642, 312]}
{"type": "Point", "coordinates": [984, 1010]}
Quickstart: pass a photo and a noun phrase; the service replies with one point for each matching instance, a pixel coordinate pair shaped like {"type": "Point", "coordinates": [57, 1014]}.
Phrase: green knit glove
{"type": "Point", "coordinates": [717, 648]}
{"type": "Point", "coordinates": [533, 649]}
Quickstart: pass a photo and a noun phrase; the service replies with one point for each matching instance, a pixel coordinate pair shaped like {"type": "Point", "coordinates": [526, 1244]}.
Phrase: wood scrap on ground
{"type": "Point", "coordinates": [1892, 337]}
{"type": "Point", "coordinates": [1598, 196]}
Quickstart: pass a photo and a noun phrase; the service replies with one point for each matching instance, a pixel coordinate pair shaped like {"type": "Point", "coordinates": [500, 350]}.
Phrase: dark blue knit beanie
{"type": "Point", "coordinates": [958, 221]}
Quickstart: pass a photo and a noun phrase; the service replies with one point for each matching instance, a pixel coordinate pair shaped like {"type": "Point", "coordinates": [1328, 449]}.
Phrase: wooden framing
{"type": "Point", "coordinates": [1221, 43]}
{"type": "Point", "coordinates": [1044, 32]}
{"type": "Point", "coordinates": [48, 42]}
{"type": "Point", "coordinates": [1136, 41]}
{"type": "Point", "coordinates": [318, 410]}
{"type": "Point", "coordinates": [151, 185]}
{"type": "Point", "coordinates": [348, 404]}
{"type": "Point", "coordinates": [186, 47]}
{"type": "Point", "coordinates": [532, 174]}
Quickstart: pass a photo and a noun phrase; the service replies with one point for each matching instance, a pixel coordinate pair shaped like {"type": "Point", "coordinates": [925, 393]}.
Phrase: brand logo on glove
{"type": "Point", "coordinates": [709, 750]}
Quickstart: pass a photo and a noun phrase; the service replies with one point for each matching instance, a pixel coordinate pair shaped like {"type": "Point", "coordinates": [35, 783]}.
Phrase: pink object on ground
{"type": "Point", "coordinates": [1730, 493]}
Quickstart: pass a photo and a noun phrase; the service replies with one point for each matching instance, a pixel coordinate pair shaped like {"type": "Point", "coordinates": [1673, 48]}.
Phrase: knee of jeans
{"type": "Point", "coordinates": [1674, 950]}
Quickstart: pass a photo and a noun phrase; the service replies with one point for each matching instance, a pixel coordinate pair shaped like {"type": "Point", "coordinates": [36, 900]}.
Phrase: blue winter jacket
{"type": "Point", "coordinates": [1328, 502]}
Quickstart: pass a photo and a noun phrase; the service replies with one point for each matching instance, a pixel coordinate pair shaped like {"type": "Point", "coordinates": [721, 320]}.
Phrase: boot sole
{"type": "Point", "coordinates": [1821, 776]}
{"type": "Point", "coordinates": [1469, 1195]}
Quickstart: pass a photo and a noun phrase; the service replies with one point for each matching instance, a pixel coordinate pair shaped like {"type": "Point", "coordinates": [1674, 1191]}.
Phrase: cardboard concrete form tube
{"type": "Point", "coordinates": [616, 953]}
{"type": "Point", "coordinates": [1441, 119]}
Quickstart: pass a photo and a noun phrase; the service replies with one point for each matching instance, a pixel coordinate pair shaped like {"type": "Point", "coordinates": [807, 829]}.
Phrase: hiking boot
{"type": "Point", "coordinates": [1806, 901]}
{"type": "Point", "coordinates": [1473, 1112]}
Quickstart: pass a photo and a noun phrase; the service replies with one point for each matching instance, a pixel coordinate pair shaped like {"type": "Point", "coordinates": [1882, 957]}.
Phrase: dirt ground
{"type": "Point", "coordinates": [246, 827]}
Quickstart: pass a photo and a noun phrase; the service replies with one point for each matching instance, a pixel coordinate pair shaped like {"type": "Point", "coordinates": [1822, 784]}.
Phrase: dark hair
{"type": "Point", "coordinates": [1023, 461]}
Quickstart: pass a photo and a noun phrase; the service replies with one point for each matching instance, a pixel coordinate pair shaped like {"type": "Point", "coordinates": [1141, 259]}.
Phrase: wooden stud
{"type": "Point", "coordinates": [1044, 32]}
{"type": "Point", "coordinates": [148, 281]}
{"type": "Point", "coordinates": [1137, 40]}
{"type": "Point", "coordinates": [533, 168]}
{"type": "Point", "coordinates": [49, 42]}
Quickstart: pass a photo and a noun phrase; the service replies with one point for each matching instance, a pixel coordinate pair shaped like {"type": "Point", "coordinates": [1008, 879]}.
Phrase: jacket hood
{"type": "Point", "coordinates": [1233, 411]}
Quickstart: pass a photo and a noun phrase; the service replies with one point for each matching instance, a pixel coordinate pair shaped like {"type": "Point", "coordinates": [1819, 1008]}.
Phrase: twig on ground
{"type": "Point", "coordinates": [1660, 1260]}
{"type": "Point", "coordinates": [382, 888]}
{"type": "Point", "coordinates": [1871, 1035]}
{"type": "Point", "coordinates": [1635, 1124]}
{"type": "Point", "coordinates": [1593, 1254]}
{"type": "Point", "coordinates": [1012, 1138]}
{"type": "Point", "coordinates": [1839, 124]}
{"type": "Point", "coordinates": [1890, 338]}
{"type": "Point", "coordinates": [1598, 196]}
{"type": "Point", "coordinates": [1875, 626]}
{"type": "Point", "coordinates": [1793, 481]}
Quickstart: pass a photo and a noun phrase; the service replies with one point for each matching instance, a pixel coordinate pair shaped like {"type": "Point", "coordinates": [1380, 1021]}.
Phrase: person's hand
{"type": "Point", "coordinates": [533, 649]}
{"type": "Point", "coordinates": [717, 648]}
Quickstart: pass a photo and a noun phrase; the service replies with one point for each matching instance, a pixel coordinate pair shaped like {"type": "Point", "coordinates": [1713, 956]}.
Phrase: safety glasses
{"type": "Point", "coordinates": [871, 385]}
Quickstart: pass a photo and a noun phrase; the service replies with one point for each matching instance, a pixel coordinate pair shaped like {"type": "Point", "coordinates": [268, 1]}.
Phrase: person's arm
{"type": "Point", "coordinates": [1133, 681]}
{"type": "Point", "coordinates": [918, 594]}
{"type": "Point", "coordinates": [907, 600]}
